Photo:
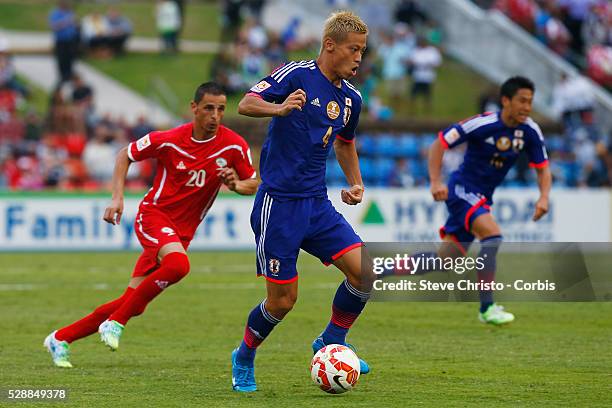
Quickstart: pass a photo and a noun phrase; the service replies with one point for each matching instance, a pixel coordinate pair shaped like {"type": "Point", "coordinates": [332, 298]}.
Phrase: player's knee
{"type": "Point", "coordinates": [177, 265]}
{"type": "Point", "coordinates": [362, 281]}
{"type": "Point", "coordinates": [281, 305]}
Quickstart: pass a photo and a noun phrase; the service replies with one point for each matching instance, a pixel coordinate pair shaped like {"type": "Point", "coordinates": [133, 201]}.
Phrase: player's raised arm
{"type": "Point", "coordinates": [544, 184]}
{"type": "Point", "coordinates": [113, 212]}
{"type": "Point", "coordinates": [254, 106]}
{"type": "Point", "coordinates": [439, 189]}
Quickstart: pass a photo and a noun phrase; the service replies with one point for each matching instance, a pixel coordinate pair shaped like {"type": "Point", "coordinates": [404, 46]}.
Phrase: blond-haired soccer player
{"type": "Point", "coordinates": [313, 107]}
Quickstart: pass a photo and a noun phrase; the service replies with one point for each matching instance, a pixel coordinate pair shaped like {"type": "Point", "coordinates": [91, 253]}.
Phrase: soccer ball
{"type": "Point", "coordinates": [335, 369]}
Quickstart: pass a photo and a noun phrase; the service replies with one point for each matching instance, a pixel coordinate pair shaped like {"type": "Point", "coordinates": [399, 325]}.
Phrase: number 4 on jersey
{"type": "Point", "coordinates": [327, 136]}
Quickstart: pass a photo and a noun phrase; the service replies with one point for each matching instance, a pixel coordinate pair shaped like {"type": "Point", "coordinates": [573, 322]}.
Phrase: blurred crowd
{"type": "Point", "coordinates": [104, 35]}
{"type": "Point", "coordinates": [398, 70]}
{"type": "Point", "coordinates": [69, 148]}
{"type": "Point", "coordinates": [72, 146]}
{"type": "Point", "coordinates": [100, 35]}
{"type": "Point", "coordinates": [577, 30]}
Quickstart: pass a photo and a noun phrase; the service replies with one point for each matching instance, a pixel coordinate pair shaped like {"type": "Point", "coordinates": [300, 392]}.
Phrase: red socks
{"type": "Point", "coordinates": [89, 324]}
{"type": "Point", "coordinates": [173, 268]}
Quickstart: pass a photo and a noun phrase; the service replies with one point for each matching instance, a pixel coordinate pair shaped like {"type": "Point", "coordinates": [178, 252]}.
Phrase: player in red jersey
{"type": "Point", "coordinates": [193, 161]}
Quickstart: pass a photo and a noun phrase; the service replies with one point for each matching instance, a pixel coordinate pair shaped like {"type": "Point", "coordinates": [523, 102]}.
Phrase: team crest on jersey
{"type": "Point", "coordinates": [333, 110]}
{"type": "Point", "coordinates": [452, 136]}
{"type": "Point", "coordinates": [347, 115]}
{"type": "Point", "coordinates": [221, 162]}
{"type": "Point", "coordinates": [518, 133]}
{"type": "Point", "coordinates": [274, 266]}
{"type": "Point", "coordinates": [143, 142]}
{"type": "Point", "coordinates": [260, 87]}
{"type": "Point", "coordinates": [503, 143]}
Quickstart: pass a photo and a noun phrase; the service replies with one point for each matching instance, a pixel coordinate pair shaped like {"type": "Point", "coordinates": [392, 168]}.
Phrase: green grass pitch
{"type": "Point", "coordinates": [178, 352]}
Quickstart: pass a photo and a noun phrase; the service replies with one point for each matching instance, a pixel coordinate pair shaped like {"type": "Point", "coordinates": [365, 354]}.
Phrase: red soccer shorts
{"type": "Point", "coordinates": [154, 229]}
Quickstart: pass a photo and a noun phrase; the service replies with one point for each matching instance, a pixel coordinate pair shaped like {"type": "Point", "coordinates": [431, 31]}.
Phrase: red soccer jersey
{"type": "Point", "coordinates": [186, 183]}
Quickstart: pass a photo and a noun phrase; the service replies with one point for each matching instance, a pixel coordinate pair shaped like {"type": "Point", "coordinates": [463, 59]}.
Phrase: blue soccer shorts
{"type": "Point", "coordinates": [465, 204]}
{"type": "Point", "coordinates": [282, 226]}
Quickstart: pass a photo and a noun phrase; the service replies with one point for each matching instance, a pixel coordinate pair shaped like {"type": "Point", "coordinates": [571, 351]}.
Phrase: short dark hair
{"type": "Point", "coordinates": [211, 88]}
{"type": "Point", "coordinates": [514, 84]}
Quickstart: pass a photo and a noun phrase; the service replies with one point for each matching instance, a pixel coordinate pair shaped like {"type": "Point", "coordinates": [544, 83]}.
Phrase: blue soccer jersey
{"type": "Point", "coordinates": [294, 155]}
{"type": "Point", "coordinates": [492, 149]}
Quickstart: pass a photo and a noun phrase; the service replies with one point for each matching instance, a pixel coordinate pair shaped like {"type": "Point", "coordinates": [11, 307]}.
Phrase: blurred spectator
{"type": "Point", "coordinates": [120, 29]}
{"type": "Point", "coordinates": [489, 100]}
{"type": "Point", "coordinates": [28, 176]}
{"type": "Point", "coordinates": [599, 65]}
{"type": "Point", "coordinates": [63, 23]}
{"type": "Point", "coordinates": [275, 52]}
{"type": "Point", "coordinates": [289, 35]}
{"type": "Point", "coordinates": [99, 155]}
{"type": "Point", "coordinates": [573, 101]}
{"type": "Point", "coordinates": [255, 8]}
{"type": "Point", "coordinates": [95, 32]}
{"type": "Point", "coordinates": [550, 30]}
{"type": "Point", "coordinates": [433, 33]}
{"type": "Point", "coordinates": [597, 28]}
{"type": "Point", "coordinates": [521, 11]}
{"type": "Point", "coordinates": [82, 98]}
{"type": "Point", "coordinates": [82, 94]}
{"type": "Point", "coordinates": [33, 127]}
{"type": "Point", "coordinates": [409, 12]}
{"type": "Point", "coordinates": [254, 66]}
{"type": "Point", "coordinates": [575, 13]}
{"type": "Point", "coordinates": [141, 128]}
{"type": "Point", "coordinates": [255, 34]}
{"type": "Point", "coordinates": [424, 61]}
{"type": "Point", "coordinates": [168, 24]}
{"type": "Point", "coordinates": [8, 78]}
{"type": "Point", "coordinates": [377, 111]}
{"type": "Point", "coordinates": [558, 38]}
{"type": "Point", "coordinates": [181, 7]}
{"type": "Point", "coordinates": [401, 175]}
{"type": "Point", "coordinates": [231, 19]}
{"type": "Point", "coordinates": [395, 53]}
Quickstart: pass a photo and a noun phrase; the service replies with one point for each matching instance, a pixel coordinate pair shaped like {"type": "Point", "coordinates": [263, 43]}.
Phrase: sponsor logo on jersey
{"type": "Point", "coordinates": [143, 143]}
{"type": "Point", "coordinates": [168, 231]}
{"type": "Point", "coordinates": [221, 162]}
{"type": "Point", "coordinates": [274, 266]}
{"type": "Point", "coordinates": [315, 102]}
{"type": "Point", "coordinates": [503, 143]}
{"type": "Point", "coordinates": [181, 166]}
{"type": "Point", "coordinates": [348, 102]}
{"type": "Point", "coordinates": [260, 87]}
{"type": "Point", "coordinates": [490, 140]}
{"type": "Point", "coordinates": [452, 136]}
{"type": "Point", "coordinates": [333, 110]}
{"type": "Point", "coordinates": [518, 133]}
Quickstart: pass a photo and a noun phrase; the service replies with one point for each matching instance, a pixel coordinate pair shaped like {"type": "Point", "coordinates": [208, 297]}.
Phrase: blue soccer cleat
{"type": "Point", "coordinates": [243, 377]}
{"type": "Point", "coordinates": [318, 344]}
